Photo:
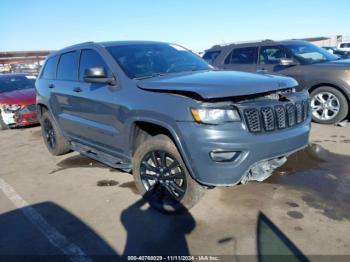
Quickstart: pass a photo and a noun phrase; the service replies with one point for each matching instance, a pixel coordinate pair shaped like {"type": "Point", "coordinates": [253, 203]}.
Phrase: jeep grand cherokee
{"type": "Point", "coordinates": [161, 111]}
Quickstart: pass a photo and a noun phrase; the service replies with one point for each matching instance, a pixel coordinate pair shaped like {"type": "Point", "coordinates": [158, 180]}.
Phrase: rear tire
{"type": "Point", "coordinates": [53, 138]}
{"type": "Point", "coordinates": [166, 185]}
{"type": "Point", "coordinates": [332, 102]}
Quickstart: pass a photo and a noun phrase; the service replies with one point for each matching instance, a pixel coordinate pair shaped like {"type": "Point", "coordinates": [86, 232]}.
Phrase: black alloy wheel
{"type": "Point", "coordinates": [162, 174]}
{"type": "Point", "coordinates": [50, 135]}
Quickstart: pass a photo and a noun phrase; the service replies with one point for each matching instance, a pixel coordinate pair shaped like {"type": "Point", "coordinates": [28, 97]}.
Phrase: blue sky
{"type": "Point", "coordinates": [54, 24]}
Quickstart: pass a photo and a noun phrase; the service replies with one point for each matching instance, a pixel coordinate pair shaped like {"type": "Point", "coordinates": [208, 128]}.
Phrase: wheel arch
{"type": "Point", "coordinates": [154, 127]}
{"type": "Point", "coordinates": [337, 87]}
{"type": "Point", "coordinates": [41, 108]}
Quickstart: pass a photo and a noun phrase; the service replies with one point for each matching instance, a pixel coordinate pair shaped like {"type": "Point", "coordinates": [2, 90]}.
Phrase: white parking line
{"type": "Point", "coordinates": [56, 238]}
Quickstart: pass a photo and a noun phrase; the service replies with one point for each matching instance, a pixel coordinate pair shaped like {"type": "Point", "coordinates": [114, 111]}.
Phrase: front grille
{"type": "Point", "coordinates": [252, 115]}
{"type": "Point", "coordinates": [276, 117]}
{"type": "Point", "coordinates": [268, 118]}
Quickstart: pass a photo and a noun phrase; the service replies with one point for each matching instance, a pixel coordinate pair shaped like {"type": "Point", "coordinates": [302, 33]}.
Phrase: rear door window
{"type": "Point", "coordinates": [68, 66]}
{"type": "Point", "coordinates": [50, 68]}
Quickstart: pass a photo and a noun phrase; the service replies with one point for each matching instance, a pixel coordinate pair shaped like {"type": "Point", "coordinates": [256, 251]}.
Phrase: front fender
{"type": "Point", "coordinates": [173, 129]}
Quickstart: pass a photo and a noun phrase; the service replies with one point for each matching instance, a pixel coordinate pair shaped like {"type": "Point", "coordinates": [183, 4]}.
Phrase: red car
{"type": "Point", "coordinates": [17, 100]}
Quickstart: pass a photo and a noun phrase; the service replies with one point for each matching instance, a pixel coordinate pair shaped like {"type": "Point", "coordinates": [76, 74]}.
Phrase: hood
{"type": "Point", "coordinates": [22, 97]}
{"type": "Point", "coordinates": [217, 84]}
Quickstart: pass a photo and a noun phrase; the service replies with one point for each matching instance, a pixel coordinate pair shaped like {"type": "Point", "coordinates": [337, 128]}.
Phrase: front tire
{"type": "Point", "coordinates": [162, 177]}
{"type": "Point", "coordinates": [53, 138]}
{"type": "Point", "coordinates": [328, 105]}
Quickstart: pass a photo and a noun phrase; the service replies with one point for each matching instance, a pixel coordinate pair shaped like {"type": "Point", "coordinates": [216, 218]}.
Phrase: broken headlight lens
{"type": "Point", "coordinates": [11, 108]}
{"type": "Point", "coordinates": [215, 116]}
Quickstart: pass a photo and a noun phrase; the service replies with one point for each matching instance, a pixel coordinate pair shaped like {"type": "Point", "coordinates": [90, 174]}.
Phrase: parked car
{"type": "Point", "coordinates": [17, 100]}
{"type": "Point", "coordinates": [337, 52]}
{"type": "Point", "coordinates": [324, 75]}
{"type": "Point", "coordinates": [344, 46]}
{"type": "Point", "coordinates": [161, 111]}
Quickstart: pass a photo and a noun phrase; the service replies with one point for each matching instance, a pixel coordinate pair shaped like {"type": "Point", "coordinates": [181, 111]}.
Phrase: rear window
{"type": "Point", "coordinates": [50, 68]}
{"type": "Point", "coordinates": [210, 56]}
{"type": "Point", "coordinates": [68, 66]}
{"type": "Point", "coordinates": [246, 55]}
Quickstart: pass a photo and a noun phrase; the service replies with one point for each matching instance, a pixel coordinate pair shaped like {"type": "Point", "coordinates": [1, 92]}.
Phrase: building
{"type": "Point", "coordinates": [22, 61]}
{"type": "Point", "coordinates": [329, 40]}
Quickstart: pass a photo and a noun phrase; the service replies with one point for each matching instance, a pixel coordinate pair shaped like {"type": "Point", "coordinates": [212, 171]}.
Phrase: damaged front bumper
{"type": "Point", "coordinates": [256, 155]}
{"type": "Point", "coordinates": [232, 153]}
{"type": "Point", "coordinates": [20, 117]}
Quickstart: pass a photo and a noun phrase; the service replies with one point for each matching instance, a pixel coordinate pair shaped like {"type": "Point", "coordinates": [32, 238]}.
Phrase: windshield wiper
{"type": "Point", "coordinates": [149, 76]}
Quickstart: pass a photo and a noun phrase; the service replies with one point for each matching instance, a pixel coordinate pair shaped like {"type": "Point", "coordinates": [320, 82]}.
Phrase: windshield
{"type": "Point", "coordinates": [147, 60]}
{"type": "Point", "coordinates": [310, 54]}
{"type": "Point", "coordinates": [12, 83]}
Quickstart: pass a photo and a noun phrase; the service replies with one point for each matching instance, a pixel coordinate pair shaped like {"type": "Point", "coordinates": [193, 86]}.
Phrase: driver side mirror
{"type": "Point", "coordinates": [98, 75]}
{"type": "Point", "coordinates": [287, 62]}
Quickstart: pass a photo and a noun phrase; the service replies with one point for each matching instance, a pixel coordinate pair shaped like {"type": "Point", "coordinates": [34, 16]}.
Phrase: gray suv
{"type": "Point", "coordinates": [162, 112]}
{"type": "Point", "coordinates": [324, 75]}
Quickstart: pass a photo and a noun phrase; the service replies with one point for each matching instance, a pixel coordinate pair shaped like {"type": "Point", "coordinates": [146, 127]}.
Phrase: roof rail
{"type": "Point", "coordinates": [83, 43]}
{"type": "Point", "coordinates": [243, 42]}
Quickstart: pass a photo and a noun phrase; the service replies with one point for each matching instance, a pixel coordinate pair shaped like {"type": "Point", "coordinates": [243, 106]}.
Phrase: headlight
{"type": "Point", "coordinates": [11, 108]}
{"type": "Point", "coordinates": [215, 116]}
{"type": "Point", "coordinates": [347, 71]}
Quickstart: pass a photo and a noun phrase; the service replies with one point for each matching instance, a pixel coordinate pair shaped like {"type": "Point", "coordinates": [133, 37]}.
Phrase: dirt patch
{"type": "Point", "coordinates": [292, 204]}
{"type": "Point", "coordinates": [225, 240]}
{"type": "Point", "coordinates": [295, 214]}
{"type": "Point", "coordinates": [107, 183]}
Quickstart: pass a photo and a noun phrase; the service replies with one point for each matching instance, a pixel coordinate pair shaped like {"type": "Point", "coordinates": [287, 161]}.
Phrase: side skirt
{"type": "Point", "coordinates": [102, 157]}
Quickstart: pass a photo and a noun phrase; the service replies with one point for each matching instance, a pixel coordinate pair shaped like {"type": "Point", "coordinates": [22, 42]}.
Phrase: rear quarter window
{"type": "Point", "coordinates": [50, 67]}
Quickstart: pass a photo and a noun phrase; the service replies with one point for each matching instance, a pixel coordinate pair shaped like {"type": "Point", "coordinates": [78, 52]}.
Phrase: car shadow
{"type": "Point", "coordinates": [151, 232]}
{"type": "Point", "coordinates": [42, 231]}
{"type": "Point", "coordinates": [29, 236]}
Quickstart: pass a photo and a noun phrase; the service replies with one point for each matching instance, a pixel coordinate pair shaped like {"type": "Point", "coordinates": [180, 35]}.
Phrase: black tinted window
{"type": "Point", "coordinates": [67, 66]}
{"type": "Point", "coordinates": [90, 58]}
{"type": "Point", "coordinates": [147, 60]}
{"type": "Point", "coordinates": [50, 68]}
{"type": "Point", "coordinates": [271, 55]}
{"type": "Point", "coordinates": [211, 56]}
{"type": "Point", "coordinates": [246, 55]}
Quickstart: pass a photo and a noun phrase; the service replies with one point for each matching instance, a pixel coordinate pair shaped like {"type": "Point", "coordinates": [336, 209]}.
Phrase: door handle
{"type": "Point", "coordinates": [261, 71]}
{"type": "Point", "coordinates": [51, 86]}
{"type": "Point", "coordinates": [77, 89]}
